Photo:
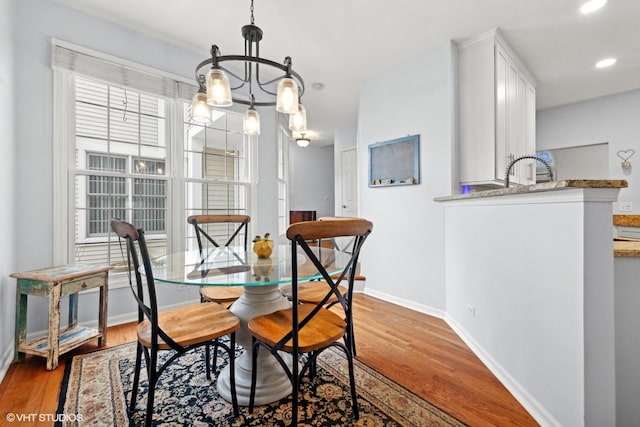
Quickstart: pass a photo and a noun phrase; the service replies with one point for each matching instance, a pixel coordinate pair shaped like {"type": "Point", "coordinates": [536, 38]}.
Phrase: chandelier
{"type": "Point", "coordinates": [303, 140]}
{"type": "Point", "coordinates": [278, 85]}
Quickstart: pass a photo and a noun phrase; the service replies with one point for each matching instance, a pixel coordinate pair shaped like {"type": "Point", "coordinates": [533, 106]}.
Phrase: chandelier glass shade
{"type": "Point", "coordinates": [218, 88]}
{"type": "Point", "coordinates": [250, 80]}
{"type": "Point", "coordinates": [251, 122]}
{"type": "Point", "coordinates": [200, 109]}
{"type": "Point", "coordinates": [298, 120]}
{"type": "Point", "coordinates": [287, 100]}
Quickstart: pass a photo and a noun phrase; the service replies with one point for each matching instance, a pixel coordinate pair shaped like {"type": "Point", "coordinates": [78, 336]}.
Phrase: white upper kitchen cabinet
{"type": "Point", "coordinates": [497, 112]}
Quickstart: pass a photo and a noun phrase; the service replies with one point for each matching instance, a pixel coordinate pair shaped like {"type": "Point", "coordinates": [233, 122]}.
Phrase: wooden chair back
{"type": "Point", "coordinates": [199, 223]}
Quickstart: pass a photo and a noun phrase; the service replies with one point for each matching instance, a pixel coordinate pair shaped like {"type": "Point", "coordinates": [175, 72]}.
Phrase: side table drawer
{"type": "Point", "coordinates": [82, 284]}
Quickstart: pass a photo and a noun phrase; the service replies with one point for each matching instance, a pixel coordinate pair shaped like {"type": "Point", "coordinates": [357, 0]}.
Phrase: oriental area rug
{"type": "Point", "coordinates": [97, 388]}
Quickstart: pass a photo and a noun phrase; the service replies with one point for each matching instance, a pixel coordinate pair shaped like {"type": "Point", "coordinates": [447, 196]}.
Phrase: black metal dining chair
{"type": "Point", "coordinates": [309, 329]}
{"type": "Point", "coordinates": [313, 292]}
{"type": "Point", "coordinates": [207, 225]}
{"type": "Point", "coordinates": [181, 329]}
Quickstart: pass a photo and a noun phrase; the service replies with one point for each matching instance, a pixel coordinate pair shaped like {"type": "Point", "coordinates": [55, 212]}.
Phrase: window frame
{"type": "Point", "coordinates": [282, 173]}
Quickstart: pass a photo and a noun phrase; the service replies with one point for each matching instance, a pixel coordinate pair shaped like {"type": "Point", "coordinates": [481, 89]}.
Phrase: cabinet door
{"type": "Point", "coordinates": [525, 144]}
{"type": "Point", "coordinates": [520, 125]}
{"type": "Point", "coordinates": [530, 123]}
{"type": "Point", "coordinates": [513, 129]}
{"type": "Point", "coordinates": [501, 105]}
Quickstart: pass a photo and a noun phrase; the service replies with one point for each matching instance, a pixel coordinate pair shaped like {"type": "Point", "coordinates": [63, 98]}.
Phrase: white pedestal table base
{"type": "Point", "coordinates": [272, 383]}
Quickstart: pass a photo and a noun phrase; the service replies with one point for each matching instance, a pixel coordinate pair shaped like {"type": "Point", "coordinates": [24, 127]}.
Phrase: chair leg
{"type": "Point", "coordinates": [254, 367]}
{"type": "Point", "coordinates": [352, 381]}
{"type": "Point", "coordinates": [214, 363]}
{"type": "Point", "coordinates": [352, 340]}
{"type": "Point", "coordinates": [312, 365]}
{"type": "Point", "coordinates": [136, 378]}
{"type": "Point", "coordinates": [294, 391]}
{"type": "Point", "coordinates": [232, 372]}
{"type": "Point", "coordinates": [153, 379]}
{"type": "Point", "coordinates": [207, 361]}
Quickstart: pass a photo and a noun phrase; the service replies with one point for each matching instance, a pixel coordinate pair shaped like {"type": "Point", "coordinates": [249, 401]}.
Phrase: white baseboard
{"type": "Point", "coordinates": [535, 409]}
{"type": "Point", "coordinates": [358, 286]}
{"type": "Point", "coordinates": [406, 303]}
{"type": "Point", "coordinates": [5, 360]}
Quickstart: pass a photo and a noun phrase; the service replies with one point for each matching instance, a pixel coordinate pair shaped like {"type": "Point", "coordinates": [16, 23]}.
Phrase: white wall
{"type": "Point", "coordinates": [404, 262]}
{"type": "Point", "coordinates": [583, 162]}
{"type": "Point", "coordinates": [311, 184]}
{"type": "Point", "coordinates": [28, 130]}
{"type": "Point", "coordinates": [613, 119]}
{"type": "Point", "coordinates": [7, 184]}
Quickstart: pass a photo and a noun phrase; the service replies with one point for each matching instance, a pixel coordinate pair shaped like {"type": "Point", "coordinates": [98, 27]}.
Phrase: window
{"type": "Point", "coordinates": [108, 196]}
{"type": "Point", "coordinates": [105, 191]}
{"type": "Point", "coordinates": [122, 152]}
{"type": "Point", "coordinates": [216, 169]}
{"type": "Point", "coordinates": [120, 167]}
{"type": "Point", "coordinates": [149, 196]}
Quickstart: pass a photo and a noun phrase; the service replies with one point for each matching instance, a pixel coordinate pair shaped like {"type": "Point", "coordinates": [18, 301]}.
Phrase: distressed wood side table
{"type": "Point", "coordinates": [54, 283]}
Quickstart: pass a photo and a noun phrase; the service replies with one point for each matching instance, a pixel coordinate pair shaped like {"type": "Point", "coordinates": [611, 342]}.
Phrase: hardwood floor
{"type": "Point", "coordinates": [418, 351]}
{"type": "Point", "coordinates": [423, 354]}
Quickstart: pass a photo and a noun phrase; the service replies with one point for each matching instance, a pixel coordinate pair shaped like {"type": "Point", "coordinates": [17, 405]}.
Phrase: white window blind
{"type": "Point", "coordinates": [97, 65]}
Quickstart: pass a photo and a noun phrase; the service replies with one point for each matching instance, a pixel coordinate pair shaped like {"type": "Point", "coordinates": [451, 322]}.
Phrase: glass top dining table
{"type": "Point", "coordinates": [233, 266]}
{"type": "Point", "coordinates": [261, 278]}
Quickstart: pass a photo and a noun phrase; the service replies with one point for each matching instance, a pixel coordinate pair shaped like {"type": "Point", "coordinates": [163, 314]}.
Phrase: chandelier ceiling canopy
{"type": "Point", "coordinates": [249, 80]}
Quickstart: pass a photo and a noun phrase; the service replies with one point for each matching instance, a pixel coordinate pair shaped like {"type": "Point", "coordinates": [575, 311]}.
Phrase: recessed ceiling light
{"type": "Point", "coordinates": [592, 6]}
{"type": "Point", "coordinates": [606, 63]}
{"type": "Point", "coordinates": [317, 86]}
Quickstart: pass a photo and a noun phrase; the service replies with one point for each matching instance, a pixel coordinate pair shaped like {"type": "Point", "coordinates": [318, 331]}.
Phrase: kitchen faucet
{"type": "Point", "coordinates": [514, 161]}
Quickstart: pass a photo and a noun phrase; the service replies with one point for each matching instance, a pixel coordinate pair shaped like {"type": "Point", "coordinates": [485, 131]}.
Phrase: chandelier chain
{"type": "Point", "coordinates": [252, 19]}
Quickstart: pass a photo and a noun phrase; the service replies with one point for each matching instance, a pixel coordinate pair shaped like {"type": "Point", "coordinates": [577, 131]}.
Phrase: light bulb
{"type": "Point", "coordinates": [298, 120]}
{"type": "Point", "coordinates": [218, 88]}
{"type": "Point", "coordinates": [287, 97]}
{"type": "Point", "coordinates": [200, 110]}
{"type": "Point", "coordinates": [592, 6]}
{"type": "Point", "coordinates": [251, 122]}
{"type": "Point", "coordinates": [606, 63]}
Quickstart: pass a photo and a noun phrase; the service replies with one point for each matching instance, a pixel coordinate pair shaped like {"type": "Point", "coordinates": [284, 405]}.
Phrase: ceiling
{"type": "Point", "coordinates": [339, 43]}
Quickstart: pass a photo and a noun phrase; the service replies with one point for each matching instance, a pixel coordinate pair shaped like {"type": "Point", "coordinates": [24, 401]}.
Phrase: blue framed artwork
{"type": "Point", "coordinates": [395, 162]}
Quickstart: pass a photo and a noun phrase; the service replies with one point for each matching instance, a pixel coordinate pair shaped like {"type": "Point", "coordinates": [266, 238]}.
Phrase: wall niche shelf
{"type": "Point", "coordinates": [395, 162]}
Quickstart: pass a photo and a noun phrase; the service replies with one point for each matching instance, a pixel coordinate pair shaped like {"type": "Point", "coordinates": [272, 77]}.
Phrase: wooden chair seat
{"type": "Point", "coordinates": [322, 330]}
{"type": "Point", "coordinates": [213, 320]}
{"type": "Point", "coordinates": [221, 294]}
{"type": "Point", "coordinates": [312, 292]}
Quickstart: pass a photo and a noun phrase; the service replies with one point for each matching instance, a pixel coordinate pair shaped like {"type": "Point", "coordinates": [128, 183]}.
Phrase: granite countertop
{"type": "Point", "coordinates": [626, 248]}
{"type": "Point", "coordinates": [626, 220]}
{"type": "Point", "coordinates": [545, 186]}
{"type": "Point", "coordinates": [623, 247]}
